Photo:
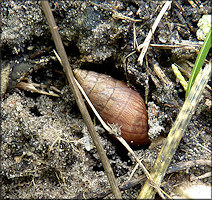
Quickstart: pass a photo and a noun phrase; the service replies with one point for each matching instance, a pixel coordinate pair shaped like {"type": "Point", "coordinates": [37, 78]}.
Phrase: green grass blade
{"type": "Point", "coordinates": [199, 61]}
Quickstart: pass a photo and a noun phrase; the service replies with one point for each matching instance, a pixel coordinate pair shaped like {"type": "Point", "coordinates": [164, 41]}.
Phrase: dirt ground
{"type": "Point", "coordinates": [46, 150]}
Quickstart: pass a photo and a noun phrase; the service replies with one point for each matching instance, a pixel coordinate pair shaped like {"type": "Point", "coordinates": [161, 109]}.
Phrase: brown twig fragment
{"type": "Point", "coordinates": [161, 75]}
{"type": "Point", "coordinates": [187, 164]}
{"type": "Point", "coordinates": [87, 119]}
{"type": "Point", "coordinates": [117, 15]}
{"type": "Point", "coordinates": [32, 88]}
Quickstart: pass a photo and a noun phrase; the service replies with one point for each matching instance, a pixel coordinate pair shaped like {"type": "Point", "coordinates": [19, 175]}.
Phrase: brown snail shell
{"type": "Point", "coordinates": [116, 103]}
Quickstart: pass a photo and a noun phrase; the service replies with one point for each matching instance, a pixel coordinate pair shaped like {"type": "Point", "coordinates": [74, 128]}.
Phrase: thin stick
{"type": "Point", "coordinates": [142, 166]}
{"type": "Point", "coordinates": [151, 32]}
{"type": "Point", "coordinates": [67, 68]}
{"type": "Point", "coordinates": [171, 46]}
{"type": "Point", "coordinates": [176, 133]}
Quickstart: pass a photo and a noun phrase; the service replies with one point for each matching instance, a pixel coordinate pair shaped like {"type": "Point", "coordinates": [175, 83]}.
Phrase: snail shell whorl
{"type": "Point", "coordinates": [116, 103]}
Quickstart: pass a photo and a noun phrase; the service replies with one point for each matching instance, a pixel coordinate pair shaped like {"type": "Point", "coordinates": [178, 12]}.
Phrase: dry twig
{"type": "Point", "coordinates": [187, 164]}
{"type": "Point", "coordinates": [87, 119]}
{"type": "Point", "coordinates": [32, 88]}
{"type": "Point", "coordinates": [145, 45]}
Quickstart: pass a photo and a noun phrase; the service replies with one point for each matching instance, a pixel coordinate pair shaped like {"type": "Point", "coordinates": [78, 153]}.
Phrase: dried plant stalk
{"type": "Point", "coordinates": [176, 134]}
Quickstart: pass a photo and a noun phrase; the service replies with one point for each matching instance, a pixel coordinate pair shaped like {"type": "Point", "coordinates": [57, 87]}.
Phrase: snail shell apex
{"type": "Point", "coordinates": [116, 103]}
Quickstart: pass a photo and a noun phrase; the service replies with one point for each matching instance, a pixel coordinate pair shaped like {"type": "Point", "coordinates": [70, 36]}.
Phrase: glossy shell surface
{"type": "Point", "coordinates": [116, 103]}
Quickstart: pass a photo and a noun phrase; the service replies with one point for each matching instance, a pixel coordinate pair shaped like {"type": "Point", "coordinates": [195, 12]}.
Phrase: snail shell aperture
{"type": "Point", "coordinates": [117, 104]}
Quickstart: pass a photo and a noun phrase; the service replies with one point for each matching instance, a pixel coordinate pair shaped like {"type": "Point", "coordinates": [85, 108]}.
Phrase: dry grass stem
{"type": "Point", "coordinates": [145, 45]}
{"type": "Point", "coordinates": [86, 117]}
{"type": "Point", "coordinates": [176, 133]}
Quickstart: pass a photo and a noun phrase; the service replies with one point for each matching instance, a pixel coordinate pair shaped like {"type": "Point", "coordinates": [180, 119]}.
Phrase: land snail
{"type": "Point", "coordinates": [117, 104]}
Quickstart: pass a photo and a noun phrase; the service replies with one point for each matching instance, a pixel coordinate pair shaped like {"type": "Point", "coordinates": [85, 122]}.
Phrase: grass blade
{"type": "Point", "coordinates": [199, 61]}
